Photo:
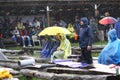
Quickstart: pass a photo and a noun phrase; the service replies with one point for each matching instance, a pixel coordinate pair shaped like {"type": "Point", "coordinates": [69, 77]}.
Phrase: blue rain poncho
{"type": "Point", "coordinates": [111, 52]}
{"type": "Point", "coordinates": [50, 46]}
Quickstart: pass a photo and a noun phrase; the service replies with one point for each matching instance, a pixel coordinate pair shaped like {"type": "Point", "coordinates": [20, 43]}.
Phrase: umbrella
{"type": "Point", "coordinates": [53, 30]}
{"type": "Point", "coordinates": [107, 20]}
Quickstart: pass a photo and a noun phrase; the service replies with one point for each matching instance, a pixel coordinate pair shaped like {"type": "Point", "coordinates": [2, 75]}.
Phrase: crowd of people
{"type": "Point", "coordinates": [59, 45]}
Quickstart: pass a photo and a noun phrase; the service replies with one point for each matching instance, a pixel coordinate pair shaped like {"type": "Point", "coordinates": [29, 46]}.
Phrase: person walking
{"type": "Point", "coordinates": [85, 42]}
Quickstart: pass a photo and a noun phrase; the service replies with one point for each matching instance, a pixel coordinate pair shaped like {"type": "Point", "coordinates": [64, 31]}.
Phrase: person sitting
{"type": "Point", "coordinates": [20, 36]}
{"type": "Point", "coordinates": [111, 52]}
{"type": "Point", "coordinates": [64, 50]}
{"type": "Point", "coordinates": [24, 37]}
{"type": "Point", "coordinates": [16, 36]}
{"type": "Point", "coordinates": [50, 45]}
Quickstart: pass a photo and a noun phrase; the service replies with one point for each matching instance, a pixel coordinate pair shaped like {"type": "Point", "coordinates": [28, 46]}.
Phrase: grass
{"type": "Point", "coordinates": [100, 43]}
{"type": "Point", "coordinates": [95, 43]}
{"type": "Point", "coordinates": [73, 44]}
{"type": "Point", "coordinates": [24, 78]}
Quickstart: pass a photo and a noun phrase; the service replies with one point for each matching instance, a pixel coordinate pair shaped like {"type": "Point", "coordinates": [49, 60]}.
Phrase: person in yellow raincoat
{"type": "Point", "coordinates": [64, 50]}
{"type": "Point", "coordinates": [71, 29]}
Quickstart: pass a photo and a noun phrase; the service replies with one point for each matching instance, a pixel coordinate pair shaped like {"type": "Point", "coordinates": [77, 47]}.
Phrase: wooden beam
{"type": "Point", "coordinates": [63, 76]}
{"type": "Point", "coordinates": [56, 3]}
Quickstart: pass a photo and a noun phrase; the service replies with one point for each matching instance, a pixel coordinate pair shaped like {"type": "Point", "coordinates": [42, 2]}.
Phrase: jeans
{"type": "Point", "coordinates": [22, 39]}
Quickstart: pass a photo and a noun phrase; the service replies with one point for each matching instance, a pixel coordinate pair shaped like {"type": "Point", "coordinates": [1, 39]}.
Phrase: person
{"type": "Point", "coordinates": [6, 24]}
{"type": "Point", "coordinates": [16, 36]}
{"type": "Point", "coordinates": [110, 53]}
{"type": "Point", "coordinates": [77, 26]}
{"type": "Point", "coordinates": [94, 26]}
{"type": "Point", "coordinates": [50, 45]}
{"type": "Point", "coordinates": [107, 26]}
{"type": "Point", "coordinates": [64, 50]}
{"type": "Point", "coordinates": [85, 42]}
{"type": "Point", "coordinates": [62, 23]}
{"type": "Point", "coordinates": [117, 27]}
{"type": "Point", "coordinates": [24, 36]}
{"type": "Point", "coordinates": [20, 36]}
{"type": "Point", "coordinates": [1, 41]}
{"type": "Point", "coordinates": [71, 29]}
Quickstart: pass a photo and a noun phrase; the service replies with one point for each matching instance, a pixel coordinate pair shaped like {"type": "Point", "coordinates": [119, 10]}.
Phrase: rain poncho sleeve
{"type": "Point", "coordinates": [65, 47]}
{"type": "Point", "coordinates": [111, 52]}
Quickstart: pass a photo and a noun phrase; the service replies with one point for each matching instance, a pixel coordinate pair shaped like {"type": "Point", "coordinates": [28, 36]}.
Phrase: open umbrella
{"type": "Point", "coordinates": [107, 20]}
{"type": "Point", "coordinates": [53, 30]}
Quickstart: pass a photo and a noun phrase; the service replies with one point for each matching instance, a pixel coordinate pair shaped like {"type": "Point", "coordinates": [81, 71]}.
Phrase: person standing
{"type": "Point", "coordinates": [76, 26]}
{"type": "Point", "coordinates": [6, 24]}
{"type": "Point", "coordinates": [85, 41]}
{"type": "Point", "coordinates": [117, 28]}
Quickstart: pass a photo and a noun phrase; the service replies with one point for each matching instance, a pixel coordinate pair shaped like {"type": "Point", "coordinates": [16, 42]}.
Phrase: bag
{"type": "Point", "coordinates": [75, 36]}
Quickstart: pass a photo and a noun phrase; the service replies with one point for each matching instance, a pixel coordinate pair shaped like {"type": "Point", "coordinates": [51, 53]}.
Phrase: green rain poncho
{"type": "Point", "coordinates": [64, 50]}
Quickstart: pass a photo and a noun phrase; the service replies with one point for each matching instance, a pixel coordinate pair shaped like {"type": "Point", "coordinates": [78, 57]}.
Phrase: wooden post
{"type": "Point", "coordinates": [48, 16]}
{"type": "Point", "coordinates": [96, 9]}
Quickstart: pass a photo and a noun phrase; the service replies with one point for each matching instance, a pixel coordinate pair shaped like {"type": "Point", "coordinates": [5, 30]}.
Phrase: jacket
{"type": "Point", "coordinates": [85, 34]}
{"type": "Point", "coordinates": [117, 27]}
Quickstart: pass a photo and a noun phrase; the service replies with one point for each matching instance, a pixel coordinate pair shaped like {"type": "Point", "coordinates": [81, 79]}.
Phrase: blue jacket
{"type": "Point", "coordinates": [117, 27]}
{"type": "Point", "coordinates": [85, 34]}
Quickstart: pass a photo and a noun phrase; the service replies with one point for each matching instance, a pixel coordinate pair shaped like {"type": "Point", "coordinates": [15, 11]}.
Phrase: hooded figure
{"type": "Point", "coordinates": [85, 41]}
{"type": "Point", "coordinates": [117, 27]}
{"type": "Point", "coordinates": [64, 50]}
{"type": "Point", "coordinates": [50, 46]}
{"type": "Point", "coordinates": [86, 34]}
{"type": "Point", "coordinates": [111, 53]}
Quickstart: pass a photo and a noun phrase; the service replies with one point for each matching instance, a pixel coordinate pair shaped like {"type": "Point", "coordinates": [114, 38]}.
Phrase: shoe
{"type": "Point", "coordinates": [24, 46]}
{"type": "Point", "coordinates": [29, 45]}
{"type": "Point", "coordinates": [86, 66]}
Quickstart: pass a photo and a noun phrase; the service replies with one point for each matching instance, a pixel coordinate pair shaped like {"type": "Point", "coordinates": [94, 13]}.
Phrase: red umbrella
{"type": "Point", "coordinates": [107, 20]}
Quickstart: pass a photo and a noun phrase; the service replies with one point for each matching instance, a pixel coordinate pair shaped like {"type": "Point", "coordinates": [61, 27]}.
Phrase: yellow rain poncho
{"type": "Point", "coordinates": [64, 50]}
{"type": "Point", "coordinates": [71, 29]}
